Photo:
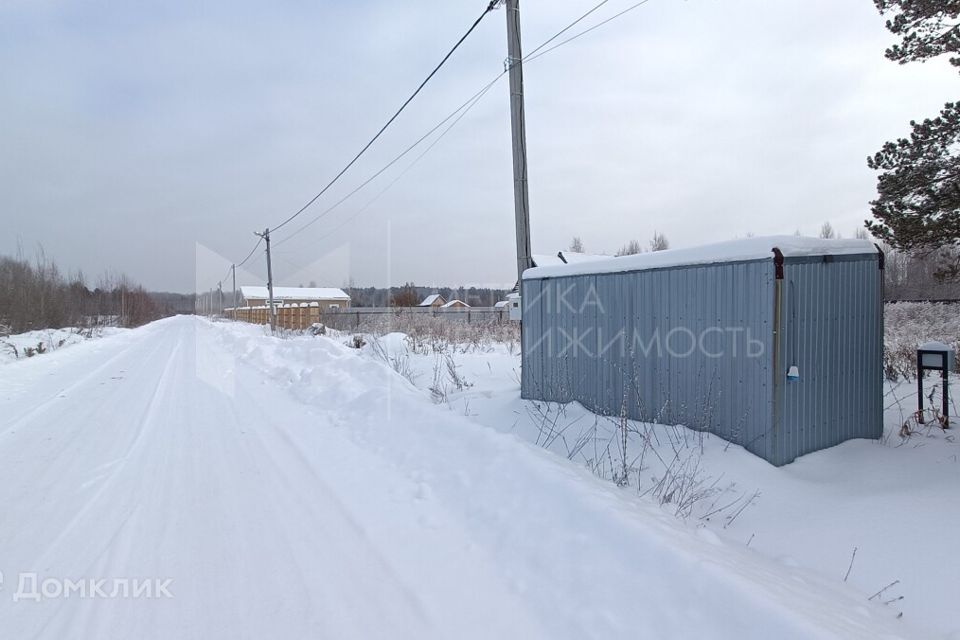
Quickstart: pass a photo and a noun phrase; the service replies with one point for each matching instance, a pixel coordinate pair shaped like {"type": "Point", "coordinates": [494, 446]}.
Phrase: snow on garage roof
{"type": "Point", "coordinates": [295, 293]}
{"type": "Point", "coordinates": [565, 257]}
{"type": "Point", "coordinates": [757, 248]}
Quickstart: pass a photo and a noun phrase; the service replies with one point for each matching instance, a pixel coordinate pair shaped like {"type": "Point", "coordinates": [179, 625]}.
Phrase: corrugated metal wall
{"type": "Point", "coordinates": [833, 332]}
{"type": "Point", "coordinates": [665, 345]}
{"type": "Point", "coordinates": [693, 345]}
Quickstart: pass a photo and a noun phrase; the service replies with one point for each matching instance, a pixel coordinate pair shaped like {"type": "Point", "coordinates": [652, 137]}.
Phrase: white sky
{"type": "Point", "coordinates": [153, 138]}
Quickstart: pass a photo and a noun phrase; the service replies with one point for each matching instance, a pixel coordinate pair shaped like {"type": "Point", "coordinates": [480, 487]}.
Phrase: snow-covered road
{"type": "Point", "coordinates": [300, 489]}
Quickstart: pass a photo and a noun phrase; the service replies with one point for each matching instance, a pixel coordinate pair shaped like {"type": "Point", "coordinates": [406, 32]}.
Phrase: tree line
{"type": "Point", "coordinates": [410, 295]}
{"type": "Point", "coordinates": [909, 274]}
{"type": "Point", "coordinates": [37, 295]}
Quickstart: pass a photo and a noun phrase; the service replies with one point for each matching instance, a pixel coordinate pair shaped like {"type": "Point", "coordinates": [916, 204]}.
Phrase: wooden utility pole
{"type": "Point", "coordinates": [521, 201]}
{"type": "Point", "coordinates": [233, 270]}
{"type": "Point", "coordinates": [220, 298]}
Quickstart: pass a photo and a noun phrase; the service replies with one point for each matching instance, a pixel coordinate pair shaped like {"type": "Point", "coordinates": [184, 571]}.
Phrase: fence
{"type": "Point", "coordinates": [289, 316]}
{"type": "Point", "coordinates": [304, 315]}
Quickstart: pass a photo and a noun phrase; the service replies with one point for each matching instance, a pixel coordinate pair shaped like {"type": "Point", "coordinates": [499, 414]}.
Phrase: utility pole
{"type": "Point", "coordinates": [233, 270]}
{"type": "Point", "coordinates": [220, 296]}
{"type": "Point", "coordinates": [521, 201]}
{"type": "Point", "coordinates": [273, 313]}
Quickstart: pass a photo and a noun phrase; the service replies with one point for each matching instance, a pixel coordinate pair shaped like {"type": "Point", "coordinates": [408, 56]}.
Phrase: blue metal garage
{"type": "Point", "coordinates": [775, 343]}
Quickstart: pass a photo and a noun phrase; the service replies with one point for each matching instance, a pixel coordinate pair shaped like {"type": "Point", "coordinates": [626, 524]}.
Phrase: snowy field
{"type": "Point", "coordinates": [304, 488]}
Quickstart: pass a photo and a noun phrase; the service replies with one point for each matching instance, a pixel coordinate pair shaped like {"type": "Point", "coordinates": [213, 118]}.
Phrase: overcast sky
{"type": "Point", "coordinates": [153, 137]}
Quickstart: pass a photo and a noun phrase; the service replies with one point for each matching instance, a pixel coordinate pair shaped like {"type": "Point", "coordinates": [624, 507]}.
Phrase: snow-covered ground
{"type": "Point", "coordinates": [873, 513]}
{"type": "Point", "coordinates": [301, 488]}
{"type": "Point", "coordinates": [43, 341]}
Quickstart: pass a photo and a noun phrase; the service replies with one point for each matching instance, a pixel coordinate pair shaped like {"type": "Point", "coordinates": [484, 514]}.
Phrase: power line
{"type": "Point", "coordinates": [472, 102]}
{"type": "Point", "coordinates": [464, 108]}
{"type": "Point", "coordinates": [249, 255]}
{"type": "Point", "coordinates": [490, 7]}
{"type": "Point", "coordinates": [226, 274]}
{"type": "Point", "coordinates": [461, 110]}
{"type": "Point", "coordinates": [563, 31]}
{"type": "Point", "coordinates": [535, 53]}
{"type": "Point", "coordinates": [242, 262]}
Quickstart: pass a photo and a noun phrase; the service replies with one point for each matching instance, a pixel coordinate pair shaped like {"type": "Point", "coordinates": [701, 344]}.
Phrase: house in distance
{"type": "Point", "coordinates": [325, 297]}
{"type": "Point", "coordinates": [433, 300]}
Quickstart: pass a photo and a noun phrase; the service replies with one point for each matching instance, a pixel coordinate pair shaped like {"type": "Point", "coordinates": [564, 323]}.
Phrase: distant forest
{"type": "Point", "coordinates": [37, 295]}
{"type": "Point", "coordinates": [407, 295]}
{"type": "Point", "coordinates": [410, 295]}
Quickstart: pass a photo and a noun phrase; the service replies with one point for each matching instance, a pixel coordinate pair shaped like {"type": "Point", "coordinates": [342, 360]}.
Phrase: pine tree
{"type": "Point", "coordinates": [918, 203]}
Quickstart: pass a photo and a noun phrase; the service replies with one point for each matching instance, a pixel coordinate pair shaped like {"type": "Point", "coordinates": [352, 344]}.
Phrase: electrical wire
{"type": "Point", "coordinates": [462, 110]}
{"type": "Point", "coordinates": [466, 106]}
{"type": "Point", "coordinates": [469, 105]}
{"type": "Point", "coordinates": [537, 52]}
{"type": "Point", "coordinates": [534, 55]}
{"type": "Point", "coordinates": [564, 30]}
{"type": "Point", "coordinates": [225, 275]}
{"type": "Point", "coordinates": [490, 7]}
{"type": "Point", "coordinates": [249, 255]}
{"type": "Point", "coordinates": [241, 263]}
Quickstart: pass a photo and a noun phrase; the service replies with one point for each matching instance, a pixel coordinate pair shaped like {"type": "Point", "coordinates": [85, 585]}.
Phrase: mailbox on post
{"type": "Point", "coordinates": [935, 356]}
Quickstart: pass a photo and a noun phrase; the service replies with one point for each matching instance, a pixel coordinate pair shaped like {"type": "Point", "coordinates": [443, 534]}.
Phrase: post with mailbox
{"type": "Point", "coordinates": [935, 356]}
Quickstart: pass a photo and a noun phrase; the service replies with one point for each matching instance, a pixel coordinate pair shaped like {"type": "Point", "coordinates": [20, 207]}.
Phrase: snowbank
{"type": "Point", "coordinates": [867, 501]}
{"type": "Point", "coordinates": [39, 342]}
{"type": "Point", "coordinates": [586, 558]}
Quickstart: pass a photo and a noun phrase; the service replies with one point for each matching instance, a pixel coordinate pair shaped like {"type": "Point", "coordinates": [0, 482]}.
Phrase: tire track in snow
{"type": "Point", "coordinates": [46, 404]}
{"type": "Point", "coordinates": [144, 426]}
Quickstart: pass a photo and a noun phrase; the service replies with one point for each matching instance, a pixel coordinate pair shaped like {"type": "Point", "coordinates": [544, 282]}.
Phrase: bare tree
{"type": "Point", "coordinates": [659, 242]}
{"type": "Point", "coordinates": [629, 249]}
{"type": "Point", "coordinates": [405, 296]}
{"type": "Point", "coordinates": [576, 245]}
{"type": "Point", "coordinates": [827, 232]}
{"type": "Point", "coordinates": [914, 276]}
{"type": "Point", "coordinates": [40, 296]}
